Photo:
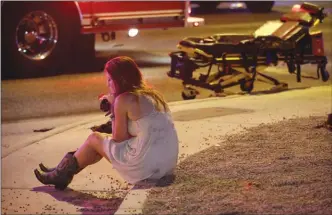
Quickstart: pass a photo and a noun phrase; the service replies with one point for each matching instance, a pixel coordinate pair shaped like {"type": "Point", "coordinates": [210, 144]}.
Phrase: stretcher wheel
{"type": "Point", "coordinates": [189, 93]}
{"type": "Point", "coordinates": [188, 97]}
{"type": "Point", "coordinates": [324, 73]}
{"type": "Point", "coordinates": [247, 85]}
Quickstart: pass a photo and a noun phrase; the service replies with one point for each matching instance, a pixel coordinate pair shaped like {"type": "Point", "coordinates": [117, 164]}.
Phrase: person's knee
{"type": "Point", "coordinates": [96, 143]}
{"type": "Point", "coordinates": [95, 138]}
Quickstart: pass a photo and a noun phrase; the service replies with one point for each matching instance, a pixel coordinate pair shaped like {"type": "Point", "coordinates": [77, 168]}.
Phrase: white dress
{"type": "Point", "coordinates": [151, 153]}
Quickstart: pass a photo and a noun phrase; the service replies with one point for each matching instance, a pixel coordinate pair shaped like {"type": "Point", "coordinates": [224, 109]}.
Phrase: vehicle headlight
{"type": "Point", "coordinates": [133, 32]}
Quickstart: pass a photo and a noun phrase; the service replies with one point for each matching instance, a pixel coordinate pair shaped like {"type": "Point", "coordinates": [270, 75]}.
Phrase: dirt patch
{"type": "Point", "coordinates": [203, 113]}
{"type": "Point", "coordinates": [283, 168]}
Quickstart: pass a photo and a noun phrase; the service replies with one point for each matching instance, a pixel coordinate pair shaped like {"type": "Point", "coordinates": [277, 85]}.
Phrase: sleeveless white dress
{"type": "Point", "coordinates": [151, 153]}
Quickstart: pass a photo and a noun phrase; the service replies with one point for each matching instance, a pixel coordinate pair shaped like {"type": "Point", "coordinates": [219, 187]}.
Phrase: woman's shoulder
{"type": "Point", "coordinates": [125, 98]}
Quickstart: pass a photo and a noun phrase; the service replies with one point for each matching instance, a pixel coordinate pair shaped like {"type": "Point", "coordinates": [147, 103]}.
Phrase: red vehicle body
{"type": "Point", "coordinates": [45, 38]}
{"type": "Point", "coordinates": [98, 17]}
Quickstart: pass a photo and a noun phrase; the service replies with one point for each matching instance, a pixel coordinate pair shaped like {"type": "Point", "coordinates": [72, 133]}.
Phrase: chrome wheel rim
{"type": "Point", "coordinates": [36, 35]}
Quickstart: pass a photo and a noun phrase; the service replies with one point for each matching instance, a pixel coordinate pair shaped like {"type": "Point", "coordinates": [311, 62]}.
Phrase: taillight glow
{"type": "Point", "coordinates": [296, 8]}
{"type": "Point", "coordinates": [236, 5]}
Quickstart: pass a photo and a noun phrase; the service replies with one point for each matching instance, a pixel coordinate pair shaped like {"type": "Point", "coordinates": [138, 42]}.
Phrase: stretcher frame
{"type": "Point", "coordinates": [239, 64]}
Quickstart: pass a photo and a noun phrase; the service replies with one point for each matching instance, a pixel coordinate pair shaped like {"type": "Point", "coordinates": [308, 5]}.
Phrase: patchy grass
{"type": "Point", "coordinates": [283, 168]}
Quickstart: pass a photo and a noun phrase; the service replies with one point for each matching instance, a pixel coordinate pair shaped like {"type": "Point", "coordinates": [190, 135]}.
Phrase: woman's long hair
{"type": "Point", "coordinates": [128, 78]}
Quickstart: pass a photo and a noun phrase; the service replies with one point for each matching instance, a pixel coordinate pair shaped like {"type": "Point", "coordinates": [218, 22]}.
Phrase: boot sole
{"type": "Point", "coordinates": [56, 186]}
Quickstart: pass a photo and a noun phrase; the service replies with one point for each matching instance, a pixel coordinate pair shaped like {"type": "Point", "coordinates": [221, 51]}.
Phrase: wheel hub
{"type": "Point", "coordinates": [36, 35]}
{"type": "Point", "coordinates": [30, 37]}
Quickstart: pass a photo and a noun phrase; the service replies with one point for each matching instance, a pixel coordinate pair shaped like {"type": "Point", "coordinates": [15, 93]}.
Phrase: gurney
{"type": "Point", "coordinates": [242, 58]}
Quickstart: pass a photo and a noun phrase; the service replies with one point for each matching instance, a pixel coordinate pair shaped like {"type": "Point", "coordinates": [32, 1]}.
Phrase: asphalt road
{"type": "Point", "coordinates": [77, 93]}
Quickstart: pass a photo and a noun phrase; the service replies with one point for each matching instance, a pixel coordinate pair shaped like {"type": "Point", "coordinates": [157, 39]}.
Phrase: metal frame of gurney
{"type": "Point", "coordinates": [239, 57]}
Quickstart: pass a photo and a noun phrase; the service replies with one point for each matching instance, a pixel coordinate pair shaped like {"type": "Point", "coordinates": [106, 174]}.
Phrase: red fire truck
{"type": "Point", "coordinates": [45, 38]}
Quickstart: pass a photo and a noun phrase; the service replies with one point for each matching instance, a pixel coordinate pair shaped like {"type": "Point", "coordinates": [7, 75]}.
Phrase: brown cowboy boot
{"type": "Point", "coordinates": [62, 175]}
{"type": "Point", "coordinates": [45, 168]}
{"type": "Point", "coordinates": [51, 169]}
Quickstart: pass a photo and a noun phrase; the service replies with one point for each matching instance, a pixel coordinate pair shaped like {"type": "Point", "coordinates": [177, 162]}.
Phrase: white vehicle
{"type": "Point", "coordinates": [252, 6]}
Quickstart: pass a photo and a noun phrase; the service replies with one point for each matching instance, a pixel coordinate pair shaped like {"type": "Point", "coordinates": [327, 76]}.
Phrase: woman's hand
{"type": "Point", "coordinates": [110, 98]}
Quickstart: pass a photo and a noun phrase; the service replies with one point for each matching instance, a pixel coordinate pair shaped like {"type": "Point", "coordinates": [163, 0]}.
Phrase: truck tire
{"type": "Point", "coordinates": [37, 38]}
{"type": "Point", "coordinates": [259, 6]}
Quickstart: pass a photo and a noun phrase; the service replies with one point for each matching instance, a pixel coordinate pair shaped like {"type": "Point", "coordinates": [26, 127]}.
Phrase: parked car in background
{"type": "Point", "coordinates": [252, 6]}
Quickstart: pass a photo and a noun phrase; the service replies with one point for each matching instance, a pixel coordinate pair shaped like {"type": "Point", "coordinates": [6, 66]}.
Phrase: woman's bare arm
{"type": "Point", "coordinates": [120, 122]}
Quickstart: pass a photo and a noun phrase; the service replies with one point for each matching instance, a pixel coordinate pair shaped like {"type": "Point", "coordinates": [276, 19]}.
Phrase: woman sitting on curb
{"type": "Point", "coordinates": [144, 142]}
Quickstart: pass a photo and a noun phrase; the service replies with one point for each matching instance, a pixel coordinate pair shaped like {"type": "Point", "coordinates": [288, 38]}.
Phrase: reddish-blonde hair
{"type": "Point", "coordinates": [127, 77]}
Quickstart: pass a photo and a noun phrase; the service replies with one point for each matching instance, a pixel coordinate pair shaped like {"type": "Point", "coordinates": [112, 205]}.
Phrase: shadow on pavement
{"type": "Point", "coordinates": [89, 203]}
{"type": "Point", "coordinates": [163, 182]}
{"type": "Point", "coordinates": [272, 91]}
{"type": "Point", "coordinates": [86, 203]}
{"type": "Point", "coordinates": [204, 113]}
{"type": "Point", "coordinates": [166, 181]}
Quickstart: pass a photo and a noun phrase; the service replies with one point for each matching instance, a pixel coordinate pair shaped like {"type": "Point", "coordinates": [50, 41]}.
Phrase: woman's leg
{"type": "Point", "coordinates": [91, 151]}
